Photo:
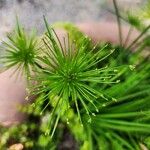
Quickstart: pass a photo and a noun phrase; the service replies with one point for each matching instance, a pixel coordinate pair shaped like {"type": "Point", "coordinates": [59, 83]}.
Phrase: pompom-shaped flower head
{"type": "Point", "coordinates": [69, 71]}
{"type": "Point", "coordinates": [20, 51]}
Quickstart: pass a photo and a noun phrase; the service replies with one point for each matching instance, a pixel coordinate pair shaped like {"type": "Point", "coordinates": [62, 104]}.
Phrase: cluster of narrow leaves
{"type": "Point", "coordinates": [125, 124]}
{"type": "Point", "coordinates": [61, 69]}
{"type": "Point", "coordinates": [101, 94]}
{"type": "Point", "coordinates": [20, 51]}
{"type": "Point", "coordinates": [67, 71]}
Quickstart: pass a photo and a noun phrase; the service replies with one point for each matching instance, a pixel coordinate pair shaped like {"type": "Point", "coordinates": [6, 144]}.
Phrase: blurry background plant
{"type": "Point", "coordinates": [122, 119]}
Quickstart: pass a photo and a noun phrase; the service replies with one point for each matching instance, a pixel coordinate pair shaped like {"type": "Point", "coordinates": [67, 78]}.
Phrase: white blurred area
{"type": "Point", "coordinates": [30, 12]}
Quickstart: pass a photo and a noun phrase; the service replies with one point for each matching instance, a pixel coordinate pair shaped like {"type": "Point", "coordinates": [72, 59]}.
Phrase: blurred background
{"type": "Point", "coordinates": [30, 12]}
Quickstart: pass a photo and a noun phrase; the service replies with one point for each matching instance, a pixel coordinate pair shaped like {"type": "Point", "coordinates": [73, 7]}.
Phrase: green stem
{"type": "Point", "coordinates": [118, 20]}
{"type": "Point", "coordinates": [140, 36]}
{"type": "Point", "coordinates": [128, 36]}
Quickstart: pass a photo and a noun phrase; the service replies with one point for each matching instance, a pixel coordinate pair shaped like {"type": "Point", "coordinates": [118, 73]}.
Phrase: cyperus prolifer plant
{"type": "Point", "coordinates": [72, 82]}
{"type": "Point", "coordinates": [68, 72]}
{"type": "Point", "coordinates": [61, 68]}
{"type": "Point", "coordinates": [21, 50]}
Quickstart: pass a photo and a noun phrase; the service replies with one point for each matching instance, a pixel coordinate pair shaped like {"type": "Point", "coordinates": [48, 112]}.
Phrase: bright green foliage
{"type": "Point", "coordinates": [20, 50]}
{"type": "Point", "coordinates": [98, 94]}
{"type": "Point", "coordinates": [68, 72]}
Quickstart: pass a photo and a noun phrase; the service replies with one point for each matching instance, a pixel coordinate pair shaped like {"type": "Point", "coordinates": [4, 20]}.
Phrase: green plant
{"type": "Point", "coordinates": [99, 94]}
{"type": "Point", "coordinates": [20, 50]}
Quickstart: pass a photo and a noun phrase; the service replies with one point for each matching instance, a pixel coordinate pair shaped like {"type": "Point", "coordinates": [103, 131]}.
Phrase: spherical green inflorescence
{"type": "Point", "coordinates": [20, 51]}
{"type": "Point", "coordinates": [68, 72]}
